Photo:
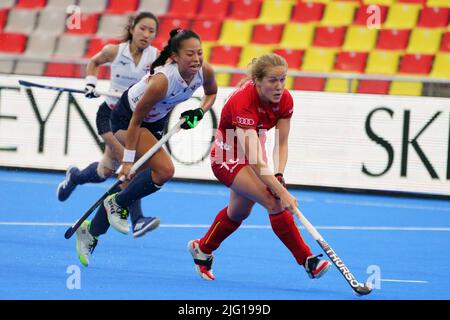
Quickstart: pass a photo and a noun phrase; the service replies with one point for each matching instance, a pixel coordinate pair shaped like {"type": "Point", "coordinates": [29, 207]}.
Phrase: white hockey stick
{"type": "Point", "coordinates": [28, 84]}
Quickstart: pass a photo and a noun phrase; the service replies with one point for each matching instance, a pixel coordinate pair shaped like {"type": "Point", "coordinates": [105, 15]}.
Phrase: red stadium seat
{"type": "Point", "coordinates": [362, 16]}
{"type": "Point", "coordinates": [207, 29]}
{"type": "Point", "coordinates": [245, 9]}
{"type": "Point", "coordinates": [416, 64]}
{"type": "Point", "coordinates": [12, 42]}
{"type": "Point", "coordinates": [30, 4]}
{"type": "Point", "coordinates": [166, 24]}
{"type": "Point", "coordinates": [307, 12]}
{"type": "Point", "coordinates": [225, 55]}
{"type": "Point", "coordinates": [121, 7]}
{"type": "Point", "coordinates": [96, 44]}
{"type": "Point", "coordinates": [421, 2]}
{"type": "Point", "coordinates": [309, 84]}
{"type": "Point", "coordinates": [236, 79]}
{"type": "Point", "coordinates": [373, 87]}
{"type": "Point", "coordinates": [393, 39]}
{"type": "Point", "coordinates": [351, 61]}
{"type": "Point", "coordinates": [88, 25]}
{"type": "Point", "coordinates": [3, 18]}
{"type": "Point", "coordinates": [293, 57]}
{"type": "Point", "coordinates": [183, 9]}
{"type": "Point", "coordinates": [214, 9]}
{"type": "Point", "coordinates": [434, 17]}
{"type": "Point", "coordinates": [104, 72]}
{"type": "Point", "coordinates": [60, 70]}
{"type": "Point", "coordinates": [445, 46]}
{"type": "Point", "coordinates": [329, 36]}
{"type": "Point", "coordinates": [267, 33]}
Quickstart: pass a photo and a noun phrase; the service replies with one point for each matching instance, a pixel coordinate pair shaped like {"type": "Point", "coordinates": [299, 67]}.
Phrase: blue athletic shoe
{"type": "Point", "coordinates": [66, 187]}
{"type": "Point", "coordinates": [144, 225]}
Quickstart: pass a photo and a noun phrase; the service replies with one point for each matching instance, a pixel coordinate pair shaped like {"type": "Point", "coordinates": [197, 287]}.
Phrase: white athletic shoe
{"type": "Point", "coordinates": [203, 262]}
{"type": "Point", "coordinates": [117, 215]}
{"type": "Point", "coordinates": [85, 243]}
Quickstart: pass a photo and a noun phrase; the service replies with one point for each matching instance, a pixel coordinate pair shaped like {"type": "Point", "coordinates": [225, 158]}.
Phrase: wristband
{"type": "Point", "coordinates": [128, 155]}
{"type": "Point", "coordinates": [91, 80]}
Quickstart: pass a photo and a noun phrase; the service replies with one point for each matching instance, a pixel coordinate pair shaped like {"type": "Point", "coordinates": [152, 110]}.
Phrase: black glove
{"type": "Point", "coordinates": [280, 178]}
{"type": "Point", "coordinates": [192, 118]}
{"type": "Point", "coordinates": [89, 91]}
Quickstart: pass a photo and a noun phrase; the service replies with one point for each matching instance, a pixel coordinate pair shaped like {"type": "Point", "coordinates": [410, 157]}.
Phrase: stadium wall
{"type": "Point", "coordinates": [354, 141]}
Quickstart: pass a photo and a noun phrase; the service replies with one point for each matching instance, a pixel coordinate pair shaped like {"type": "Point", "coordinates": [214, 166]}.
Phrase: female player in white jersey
{"type": "Point", "coordinates": [139, 120]}
{"type": "Point", "coordinates": [130, 61]}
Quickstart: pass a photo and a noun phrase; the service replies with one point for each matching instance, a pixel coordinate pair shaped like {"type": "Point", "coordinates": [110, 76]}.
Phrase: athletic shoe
{"type": "Point", "coordinates": [144, 225]}
{"type": "Point", "coordinates": [66, 187]}
{"type": "Point", "coordinates": [315, 267]}
{"type": "Point", "coordinates": [86, 243]}
{"type": "Point", "coordinates": [203, 262]}
{"type": "Point", "coordinates": [117, 216]}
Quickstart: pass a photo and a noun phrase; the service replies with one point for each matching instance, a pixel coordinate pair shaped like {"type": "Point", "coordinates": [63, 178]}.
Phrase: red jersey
{"type": "Point", "coordinates": [245, 109]}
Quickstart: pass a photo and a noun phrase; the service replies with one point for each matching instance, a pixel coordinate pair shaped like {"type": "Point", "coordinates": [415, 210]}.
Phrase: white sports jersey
{"type": "Point", "coordinates": [177, 91]}
{"type": "Point", "coordinates": [124, 73]}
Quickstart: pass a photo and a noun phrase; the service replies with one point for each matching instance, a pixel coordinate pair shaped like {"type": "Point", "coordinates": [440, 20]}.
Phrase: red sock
{"type": "Point", "coordinates": [220, 229]}
{"type": "Point", "coordinates": [284, 226]}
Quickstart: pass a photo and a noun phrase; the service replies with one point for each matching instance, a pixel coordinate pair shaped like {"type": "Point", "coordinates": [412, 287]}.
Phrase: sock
{"type": "Point", "coordinates": [284, 226]}
{"type": "Point", "coordinates": [220, 229]}
{"type": "Point", "coordinates": [88, 174]}
{"type": "Point", "coordinates": [100, 223]}
{"type": "Point", "coordinates": [139, 187]}
{"type": "Point", "coordinates": [136, 211]}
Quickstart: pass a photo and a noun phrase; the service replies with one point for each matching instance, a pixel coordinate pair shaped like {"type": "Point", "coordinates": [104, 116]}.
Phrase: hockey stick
{"type": "Point", "coordinates": [358, 288]}
{"type": "Point", "coordinates": [135, 167]}
{"type": "Point", "coordinates": [28, 84]}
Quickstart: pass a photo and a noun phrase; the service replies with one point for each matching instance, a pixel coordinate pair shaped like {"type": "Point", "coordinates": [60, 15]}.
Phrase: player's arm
{"type": "Point", "coordinates": [209, 87]}
{"type": "Point", "coordinates": [210, 90]}
{"type": "Point", "coordinates": [155, 92]}
{"type": "Point", "coordinates": [280, 151]}
{"type": "Point", "coordinates": [107, 54]}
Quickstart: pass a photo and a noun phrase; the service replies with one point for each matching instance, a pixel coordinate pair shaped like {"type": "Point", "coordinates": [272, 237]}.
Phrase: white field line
{"type": "Point", "coordinates": [404, 281]}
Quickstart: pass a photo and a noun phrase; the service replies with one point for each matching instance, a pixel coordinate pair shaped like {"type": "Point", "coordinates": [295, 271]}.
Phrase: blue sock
{"type": "Point", "coordinates": [140, 186]}
{"type": "Point", "coordinates": [100, 223]}
{"type": "Point", "coordinates": [88, 174]}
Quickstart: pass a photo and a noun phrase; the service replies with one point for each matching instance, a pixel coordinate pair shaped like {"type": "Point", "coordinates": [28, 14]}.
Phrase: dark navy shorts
{"type": "Point", "coordinates": [103, 119]}
{"type": "Point", "coordinates": [121, 116]}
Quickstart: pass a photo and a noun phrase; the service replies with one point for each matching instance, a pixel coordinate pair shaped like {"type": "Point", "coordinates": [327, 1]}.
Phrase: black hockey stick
{"type": "Point", "coordinates": [29, 84]}
{"type": "Point", "coordinates": [358, 288]}
{"type": "Point", "coordinates": [135, 167]}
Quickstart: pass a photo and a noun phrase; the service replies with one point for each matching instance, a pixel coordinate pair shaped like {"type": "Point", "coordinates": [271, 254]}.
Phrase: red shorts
{"type": "Point", "coordinates": [226, 169]}
{"type": "Point", "coordinates": [226, 172]}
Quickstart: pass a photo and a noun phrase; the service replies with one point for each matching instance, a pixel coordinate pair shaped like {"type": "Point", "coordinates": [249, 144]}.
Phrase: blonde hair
{"type": "Point", "coordinates": [257, 69]}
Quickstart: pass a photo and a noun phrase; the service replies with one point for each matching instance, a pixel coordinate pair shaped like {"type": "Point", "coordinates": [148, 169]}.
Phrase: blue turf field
{"type": "Point", "coordinates": [407, 239]}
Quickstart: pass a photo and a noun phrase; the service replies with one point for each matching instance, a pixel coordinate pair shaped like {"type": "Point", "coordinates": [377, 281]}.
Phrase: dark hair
{"type": "Point", "coordinates": [134, 20]}
{"type": "Point", "coordinates": [177, 36]}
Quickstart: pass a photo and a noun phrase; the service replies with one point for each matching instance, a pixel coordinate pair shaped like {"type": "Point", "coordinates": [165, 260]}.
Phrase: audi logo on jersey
{"type": "Point", "coordinates": [245, 121]}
